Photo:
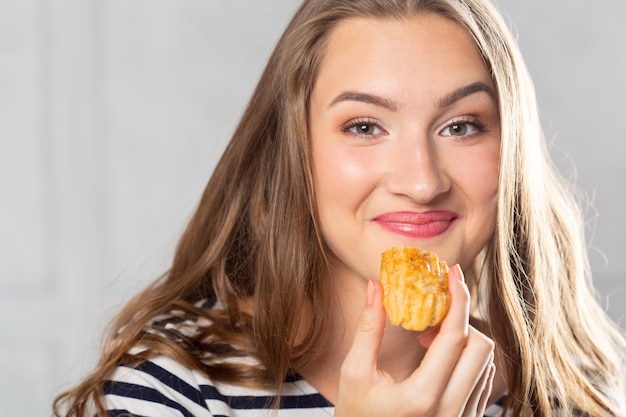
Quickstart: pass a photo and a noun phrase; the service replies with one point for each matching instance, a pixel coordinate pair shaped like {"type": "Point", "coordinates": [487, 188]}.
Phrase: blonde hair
{"type": "Point", "coordinates": [255, 234]}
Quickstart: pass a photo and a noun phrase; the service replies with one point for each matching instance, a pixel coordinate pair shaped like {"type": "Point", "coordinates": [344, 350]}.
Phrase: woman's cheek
{"type": "Point", "coordinates": [346, 170]}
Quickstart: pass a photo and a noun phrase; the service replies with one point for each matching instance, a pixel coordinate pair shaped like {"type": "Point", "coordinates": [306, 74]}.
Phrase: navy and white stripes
{"type": "Point", "coordinates": [162, 387]}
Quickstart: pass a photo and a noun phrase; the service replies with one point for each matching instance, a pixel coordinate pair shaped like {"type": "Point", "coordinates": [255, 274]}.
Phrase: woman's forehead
{"type": "Point", "coordinates": [400, 58]}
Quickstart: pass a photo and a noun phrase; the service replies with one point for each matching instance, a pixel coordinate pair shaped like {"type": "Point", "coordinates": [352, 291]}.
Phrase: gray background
{"type": "Point", "coordinates": [113, 113]}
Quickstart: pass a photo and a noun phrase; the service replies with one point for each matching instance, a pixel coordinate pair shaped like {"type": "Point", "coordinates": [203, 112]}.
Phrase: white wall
{"type": "Point", "coordinates": [113, 113]}
{"type": "Point", "coordinates": [112, 116]}
{"type": "Point", "coordinates": [576, 53]}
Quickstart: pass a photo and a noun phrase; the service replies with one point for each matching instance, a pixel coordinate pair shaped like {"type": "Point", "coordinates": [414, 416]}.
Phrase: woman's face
{"type": "Point", "coordinates": [405, 137]}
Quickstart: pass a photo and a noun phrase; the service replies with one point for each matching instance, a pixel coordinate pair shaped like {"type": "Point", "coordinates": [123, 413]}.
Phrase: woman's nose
{"type": "Point", "coordinates": [417, 171]}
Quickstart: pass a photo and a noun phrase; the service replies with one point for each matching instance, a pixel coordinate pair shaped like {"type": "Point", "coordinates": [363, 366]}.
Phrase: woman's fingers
{"type": "Point", "coordinates": [362, 359]}
{"type": "Point", "coordinates": [483, 401]}
{"type": "Point", "coordinates": [459, 357]}
{"type": "Point", "coordinates": [360, 366]}
{"type": "Point", "coordinates": [454, 377]}
{"type": "Point", "coordinates": [458, 315]}
{"type": "Point", "coordinates": [477, 357]}
{"type": "Point", "coordinates": [473, 364]}
{"type": "Point", "coordinates": [428, 336]}
{"type": "Point", "coordinates": [478, 401]}
{"type": "Point", "coordinates": [450, 340]}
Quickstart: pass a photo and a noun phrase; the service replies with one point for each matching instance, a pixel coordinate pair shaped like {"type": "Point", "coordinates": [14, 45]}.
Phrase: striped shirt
{"type": "Point", "coordinates": [164, 388]}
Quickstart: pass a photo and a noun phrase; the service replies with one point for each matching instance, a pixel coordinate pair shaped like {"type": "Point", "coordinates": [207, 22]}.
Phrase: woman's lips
{"type": "Point", "coordinates": [417, 225]}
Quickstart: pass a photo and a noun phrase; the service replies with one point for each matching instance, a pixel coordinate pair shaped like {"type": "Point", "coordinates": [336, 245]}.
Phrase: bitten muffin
{"type": "Point", "coordinates": [415, 287]}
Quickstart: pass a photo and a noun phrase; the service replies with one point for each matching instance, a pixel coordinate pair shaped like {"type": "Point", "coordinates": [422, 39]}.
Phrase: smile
{"type": "Point", "coordinates": [417, 225]}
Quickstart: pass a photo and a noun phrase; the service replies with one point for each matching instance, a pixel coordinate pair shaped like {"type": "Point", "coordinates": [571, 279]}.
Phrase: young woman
{"type": "Point", "coordinates": [376, 123]}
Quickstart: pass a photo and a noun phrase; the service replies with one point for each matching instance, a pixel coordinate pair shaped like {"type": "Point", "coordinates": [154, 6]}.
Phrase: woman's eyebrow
{"type": "Point", "coordinates": [391, 105]}
{"type": "Point", "coordinates": [463, 92]}
{"type": "Point", "coordinates": [366, 98]}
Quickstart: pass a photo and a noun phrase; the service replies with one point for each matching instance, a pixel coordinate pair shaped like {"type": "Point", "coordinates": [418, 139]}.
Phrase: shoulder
{"type": "Point", "coordinates": [164, 387]}
{"type": "Point", "coordinates": [158, 387]}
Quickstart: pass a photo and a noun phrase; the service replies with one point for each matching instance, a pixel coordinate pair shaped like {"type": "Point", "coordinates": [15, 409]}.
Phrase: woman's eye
{"type": "Point", "coordinates": [458, 129]}
{"type": "Point", "coordinates": [362, 128]}
{"type": "Point", "coordinates": [463, 128]}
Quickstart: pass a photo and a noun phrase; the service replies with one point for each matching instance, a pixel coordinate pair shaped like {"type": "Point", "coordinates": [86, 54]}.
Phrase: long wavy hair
{"type": "Point", "coordinates": [255, 235]}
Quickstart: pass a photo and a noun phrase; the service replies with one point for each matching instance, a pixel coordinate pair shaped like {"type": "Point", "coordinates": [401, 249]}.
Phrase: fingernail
{"type": "Point", "coordinates": [459, 272]}
{"type": "Point", "coordinates": [371, 290]}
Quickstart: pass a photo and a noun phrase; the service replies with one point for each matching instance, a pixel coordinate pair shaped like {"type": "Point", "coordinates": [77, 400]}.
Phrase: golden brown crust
{"type": "Point", "coordinates": [415, 287]}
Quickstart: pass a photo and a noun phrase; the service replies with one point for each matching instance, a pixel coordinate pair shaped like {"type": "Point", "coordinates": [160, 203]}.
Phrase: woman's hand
{"type": "Point", "coordinates": [454, 378]}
